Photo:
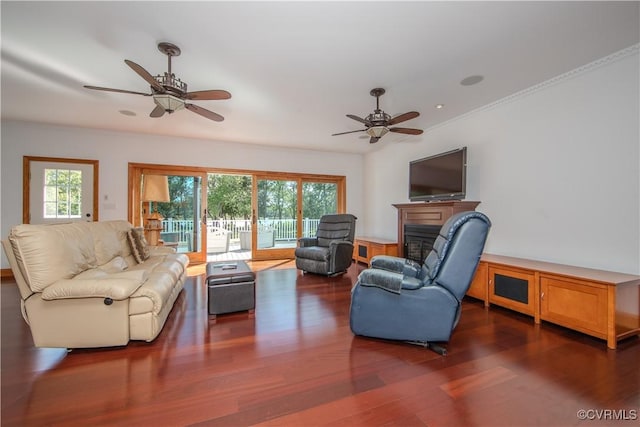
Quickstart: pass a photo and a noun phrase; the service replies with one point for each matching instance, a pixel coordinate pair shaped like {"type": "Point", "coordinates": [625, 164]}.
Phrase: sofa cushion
{"type": "Point", "coordinates": [48, 253]}
{"type": "Point", "coordinates": [107, 239]}
{"type": "Point", "coordinates": [117, 286]}
{"type": "Point", "coordinates": [316, 253]}
{"type": "Point", "coordinates": [115, 265]}
{"type": "Point", "coordinates": [138, 243]}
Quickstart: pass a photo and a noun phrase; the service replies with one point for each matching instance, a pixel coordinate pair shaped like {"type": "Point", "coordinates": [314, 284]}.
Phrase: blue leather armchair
{"type": "Point", "coordinates": [400, 299]}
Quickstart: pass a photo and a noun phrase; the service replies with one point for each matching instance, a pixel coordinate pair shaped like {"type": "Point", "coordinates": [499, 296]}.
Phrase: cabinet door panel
{"type": "Point", "coordinates": [515, 289]}
{"type": "Point", "coordinates": [577, 305]}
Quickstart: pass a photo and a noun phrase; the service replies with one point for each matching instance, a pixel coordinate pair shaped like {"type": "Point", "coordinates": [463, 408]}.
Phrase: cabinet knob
{"type": "Point", "coordinates": [542, 295]}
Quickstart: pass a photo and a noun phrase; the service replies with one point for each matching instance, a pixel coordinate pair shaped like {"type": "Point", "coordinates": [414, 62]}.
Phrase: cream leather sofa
{"type": "Point", "coordinates": [81, 285]}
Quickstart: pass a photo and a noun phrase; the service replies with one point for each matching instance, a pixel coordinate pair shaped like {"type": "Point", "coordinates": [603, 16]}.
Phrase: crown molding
{"type": "Point", "coordinates": [616, 56]}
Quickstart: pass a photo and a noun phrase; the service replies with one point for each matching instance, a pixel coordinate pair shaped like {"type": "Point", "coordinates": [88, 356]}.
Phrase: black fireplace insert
{"type": "Point", "coordinates": [418, 240]}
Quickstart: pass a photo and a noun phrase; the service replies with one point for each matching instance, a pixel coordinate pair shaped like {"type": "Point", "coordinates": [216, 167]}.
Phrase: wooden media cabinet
{"type": "Point", "coordinates": [599, 303]}
{"type": "Point", "coordinates": [366, 248]}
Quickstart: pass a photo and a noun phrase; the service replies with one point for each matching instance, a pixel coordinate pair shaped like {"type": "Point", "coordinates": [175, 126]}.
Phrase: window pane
{"type": "Point", "coordinates": [63, 178]}
{"type": "Point", "coordinates": [50, 210]}
{"type": "Point", "coordinates": [62, 193]}
{"type": "Point", "coordinates": [50, 176]}
{"type": "Point", "coordinates": [50, 194]}
{"type": "Point", "coordinates": [318, 198]}
{"type": "Point", "coordinates": [277, 206]}
{"type": "Point", "coordinates": [63, 210]}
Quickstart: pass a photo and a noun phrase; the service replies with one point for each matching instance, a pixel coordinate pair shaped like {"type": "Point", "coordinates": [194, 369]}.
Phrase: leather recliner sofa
{"type": "Point", "coordinates": [84, 284]}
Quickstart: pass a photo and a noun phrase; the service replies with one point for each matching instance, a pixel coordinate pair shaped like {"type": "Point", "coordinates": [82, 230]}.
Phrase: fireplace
{"type": "Point", "coordinates": [418, 240]}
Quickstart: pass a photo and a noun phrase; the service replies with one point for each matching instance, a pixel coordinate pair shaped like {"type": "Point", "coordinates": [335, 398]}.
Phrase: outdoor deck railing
{"type": "Point", "coordinates": [283, 229]}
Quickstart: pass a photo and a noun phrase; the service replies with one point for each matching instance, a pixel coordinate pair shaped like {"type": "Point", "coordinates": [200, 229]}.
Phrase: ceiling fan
{"type": "Point", "coordinates": [169, 92]}
{"type": "Point", "coordinates": [377, 123]}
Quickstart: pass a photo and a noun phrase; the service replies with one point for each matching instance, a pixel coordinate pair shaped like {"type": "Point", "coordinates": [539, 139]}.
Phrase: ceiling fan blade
{"type": "Point", "coordinates": [374, 139]}
{"type": "Point", "coordinates": [408, 131]}
{"type": "Point", "coordinates": [204, 112]}
{"type": "Point", "coordinates": [207, 95]}
{"type": "Point", "coordinates": [358, 119]}
{"type": "Point", "coordinates": [108, 89]}
{"type": "Point", "coordinates": [145, 75]}
{"type": "Point", "coordinates": [351, 131]}
{"type": "Point", "coordinates": [157, 112]}
{"type": "Point", "coordinates": [403, 118]}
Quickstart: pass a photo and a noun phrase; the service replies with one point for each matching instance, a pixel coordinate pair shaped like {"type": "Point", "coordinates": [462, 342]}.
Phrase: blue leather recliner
{"type": "Point", "coordinates": [400, 299]}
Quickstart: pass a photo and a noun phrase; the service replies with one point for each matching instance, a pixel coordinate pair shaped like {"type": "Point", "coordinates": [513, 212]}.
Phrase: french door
{"type": "Point", "coordinates": [59, 190]}
{"type": "Point", "coordinates": [275, 219]}
{"type": "Point", "coordinates": [287, 207]}
{"type": "Point", "coordinates": [183, 226]}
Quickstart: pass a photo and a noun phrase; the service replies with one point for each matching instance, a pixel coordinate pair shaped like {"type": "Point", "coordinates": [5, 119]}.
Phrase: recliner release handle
{"type": "Point", "coordinates": [108, 301]}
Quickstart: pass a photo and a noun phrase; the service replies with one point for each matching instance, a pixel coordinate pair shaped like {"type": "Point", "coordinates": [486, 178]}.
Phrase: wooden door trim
{"type": "Point", "coordinates": [26, 184]}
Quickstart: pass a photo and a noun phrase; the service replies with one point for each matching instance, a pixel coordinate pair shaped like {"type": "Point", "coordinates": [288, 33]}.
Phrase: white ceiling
{"type": "Point", "coordinates": [294, 68]}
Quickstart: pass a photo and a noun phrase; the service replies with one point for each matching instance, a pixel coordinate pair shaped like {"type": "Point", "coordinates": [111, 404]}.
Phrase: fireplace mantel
{"type": "Point", "coordinates": [428, 213]}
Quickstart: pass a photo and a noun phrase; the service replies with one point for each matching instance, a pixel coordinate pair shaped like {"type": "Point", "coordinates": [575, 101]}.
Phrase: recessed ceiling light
{"type": "Point", "coordinates": [471, 80]}
{"type": "Point", "coordinates": [439, 106]}
{"type": "Point", "coordinates": [127, 113]}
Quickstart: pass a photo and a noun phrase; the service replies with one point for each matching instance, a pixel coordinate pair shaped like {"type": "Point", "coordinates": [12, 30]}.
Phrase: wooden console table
{"type": "Point", "coordinates": [599, 303]}
{"type": "Point", "coordinates": [368, 247]}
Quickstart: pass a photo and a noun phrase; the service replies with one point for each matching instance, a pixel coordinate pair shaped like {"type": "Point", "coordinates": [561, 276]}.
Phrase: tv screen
{"type": "Point", "coordinates": [439, 177]}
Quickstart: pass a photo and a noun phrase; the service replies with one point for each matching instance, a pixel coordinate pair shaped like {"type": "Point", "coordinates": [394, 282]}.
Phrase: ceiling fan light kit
{"type": "Point", "coordinates": [377, 123]}
{"type": "Point", "coordinates": [168, 102]}
{"type": "Point", "coordinates": [377, 131]}
{"type": "Point", "coordinates": [169, 92]}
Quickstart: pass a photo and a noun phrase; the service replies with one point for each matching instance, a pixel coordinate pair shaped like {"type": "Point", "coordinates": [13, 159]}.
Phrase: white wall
{"type": "Point", "coordinates": [115, 150]}
{"type": "Point", "coordinates": [557, 169]}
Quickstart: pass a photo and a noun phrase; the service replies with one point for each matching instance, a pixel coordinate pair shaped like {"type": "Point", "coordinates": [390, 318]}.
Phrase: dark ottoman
{"type": "Point", "coordinates": [231, 287]}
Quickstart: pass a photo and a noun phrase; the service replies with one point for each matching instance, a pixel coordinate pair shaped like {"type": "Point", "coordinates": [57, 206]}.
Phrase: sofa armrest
{"type": "Point", "coordinates": [305, 242]}
{"type": "Point", "coordinates": [394, 264]}
{"type": "Point", "coordinates": [117, 286]}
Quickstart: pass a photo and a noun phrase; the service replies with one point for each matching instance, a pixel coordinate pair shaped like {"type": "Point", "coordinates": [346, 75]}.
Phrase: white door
{"type": "Point", "coordinates": [61, 191]}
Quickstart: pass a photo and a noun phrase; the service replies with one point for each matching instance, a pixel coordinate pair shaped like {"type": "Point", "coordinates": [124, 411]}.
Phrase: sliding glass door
{"type": "Point", "coordinates": [288, 208]}
{"type": "Point", "coordinates": [318, 198]}
{"type": "Point", "coordinates": [235, 214]}
{"type": "Point", "coordinates": [275, 222]}
{"type": "Point", "coordinates": [180, 224]}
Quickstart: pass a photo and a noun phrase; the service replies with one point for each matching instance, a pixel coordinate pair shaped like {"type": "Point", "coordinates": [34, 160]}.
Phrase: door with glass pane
{"type": "Point", "coordinates": [287, 209]}
{"type": "Point", "coordinates": [183, 227]}
{"type": "Point", "coordinates": [275, 218]}
{"type": "Point", "coordinates": [318, 198]}
{"type": "Point", "coordinates": [60, 190]}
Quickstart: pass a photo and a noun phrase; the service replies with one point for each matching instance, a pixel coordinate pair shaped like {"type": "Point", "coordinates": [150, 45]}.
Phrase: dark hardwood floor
{"type": "Point", "coordinates": [296, 363]}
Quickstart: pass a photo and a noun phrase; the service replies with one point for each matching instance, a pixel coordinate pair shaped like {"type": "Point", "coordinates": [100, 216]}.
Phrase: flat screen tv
{"type": "Point", "coordinates": [439, 177]}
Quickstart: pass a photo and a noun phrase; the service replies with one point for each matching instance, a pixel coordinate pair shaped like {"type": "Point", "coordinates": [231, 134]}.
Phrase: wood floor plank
{"type": "Point", "coordinates": [296, 363]}
{"type": "Point", "coordinates": [478, 381]}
